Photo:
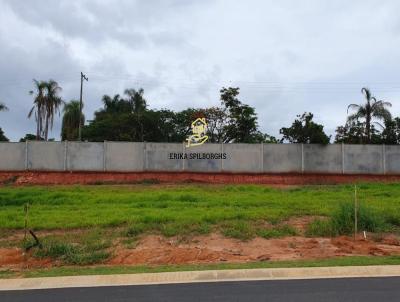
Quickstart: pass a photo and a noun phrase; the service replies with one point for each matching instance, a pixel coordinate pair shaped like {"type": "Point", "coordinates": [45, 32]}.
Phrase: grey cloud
{"type": "Point", "coordinates": [287, 56]}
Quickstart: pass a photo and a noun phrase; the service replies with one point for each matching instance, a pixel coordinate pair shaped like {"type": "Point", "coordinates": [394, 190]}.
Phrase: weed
{"type": "Point", "coordinates": [238, 229]}
{"type": "Point", "coordinates": [281, 231]}
{"type": "Point", "coordinates": [319, 228]}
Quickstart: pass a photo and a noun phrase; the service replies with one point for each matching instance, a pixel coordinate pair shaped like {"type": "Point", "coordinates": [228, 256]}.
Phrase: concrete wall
{"type": "Point", "coordinates": [282, 158]}
{"type": "Point", "coordinates": [12, 156]}
{"type": "Point", "coordinates": [245, 158]}
{"type": "Point", "coordinates": [124, 156]}
{"type": "Point", "coordinates": [85, 156]}
{"type": "Point", "coordinates": [48, 157]}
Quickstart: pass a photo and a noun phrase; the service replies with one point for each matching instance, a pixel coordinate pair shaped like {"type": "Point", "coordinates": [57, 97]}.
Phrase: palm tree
{"type": "Point", "coordinates": [138, 104]}
{"type": "Point", "coordinates": [136, 99]}
{"type": "Point", "coordinates": [371, 109]}
{"type": "Point", "coordinates": [53, 104]}
{"type": "Point", "coordinates": [70, 121]}
{"type": "Point", "coordinates": [38, 109]}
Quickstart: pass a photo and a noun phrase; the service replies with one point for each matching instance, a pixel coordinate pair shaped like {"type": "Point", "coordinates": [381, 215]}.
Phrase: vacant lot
{"type": "Point", "coordinates": [195, 224]}
{"type": "Point", "coordinates": [183, 206]}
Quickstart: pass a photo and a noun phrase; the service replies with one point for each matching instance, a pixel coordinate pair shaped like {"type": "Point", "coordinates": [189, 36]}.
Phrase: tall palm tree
{"type": "Point", "coordinates": [136, 99]}
{"type": "Point", "coordinates": [138, 104]}
{"type": "Point", "coordinates": [53, 104]}
{"type": "Point", "coordinates": [70, 121]}
{"type": "Point", "coordinates": [371, 109]}
{"type": "Point", "coordinates": [39, 106]}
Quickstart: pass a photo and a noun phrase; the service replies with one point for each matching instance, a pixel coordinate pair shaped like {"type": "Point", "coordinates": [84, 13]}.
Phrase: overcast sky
{"type": "Point", "coordinates": [286, 56]}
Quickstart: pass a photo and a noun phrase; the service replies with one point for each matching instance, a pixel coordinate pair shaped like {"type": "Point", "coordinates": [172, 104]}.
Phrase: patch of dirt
{"type": "Point", "coordinates": [16, 258]}
{"type": "Point", "coordinates": [215, 248]}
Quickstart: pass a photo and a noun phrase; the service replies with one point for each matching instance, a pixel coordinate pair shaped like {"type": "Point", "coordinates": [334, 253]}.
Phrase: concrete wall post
{"type": "Point", "coordinates": [383, 159]}
{"type": "Point", "coordinates": [26, 155]}
{"type": "Point", "coordinates": [262, 158]}
{"type": "Point", "coordinates": [302, 158]}
{"type": "Point", "coordinates": [145, 157]}
{"type": "Point", "coordinates": [343, 170]}
{"type": "Point", "coordinates": [65, 155]}
{"type": "Point", "coordinates": [222, 160]}
{"type": "Point", "coordinates": [105, 156]}
{"type": "Point", "coordinates": [183, 158]}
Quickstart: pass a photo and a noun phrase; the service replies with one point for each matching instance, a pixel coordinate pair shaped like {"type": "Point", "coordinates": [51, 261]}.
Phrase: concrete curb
{"type": "Point", "coordinates": [201, 276]}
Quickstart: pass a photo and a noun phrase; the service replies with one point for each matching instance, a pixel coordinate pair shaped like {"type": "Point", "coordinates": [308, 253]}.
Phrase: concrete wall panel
{"type": "Point", "coordinates": [243, 158]}
{"type": "Point", "coordinates": [282, 158]}
{"type": "Point", "coordinates": [363, 159]}
{"type": "Point", "coordinates": [157, 157]}
{"type": "Point", "coordinates": [12, 156]}
{"type": "Point", "coordinates": [392, 159]}
{"type": "Point", "coordinates": [47, 156]}
{"type": "Point", "coordinates": [200, 158]}
{"type": "Point", "coordinates": [124, 156]}
{"type": "Point", "coordinates": [322, 159]}
{"type": "Point", "coordinates": [85, 156]}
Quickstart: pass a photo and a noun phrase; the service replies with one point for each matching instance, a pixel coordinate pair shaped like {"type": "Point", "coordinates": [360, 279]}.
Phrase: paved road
{"type": "Point", "coordinates": [356, 289]}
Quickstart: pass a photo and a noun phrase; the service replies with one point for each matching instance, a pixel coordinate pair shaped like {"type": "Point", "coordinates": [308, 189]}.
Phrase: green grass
{"type": "Point", "coordinates": [341, 221]}
{"type": "Point", "coordinates": [174, 210]}
{"type": "Point", "coordinates": [107, 270]}
{"type": "Point", "coordinates": [84, 248]}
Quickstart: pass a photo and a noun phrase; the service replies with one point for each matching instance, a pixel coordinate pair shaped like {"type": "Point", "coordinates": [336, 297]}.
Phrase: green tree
{"type": "Point", "coordinates": [216, 122]}
{"type": "Point", "coordinates": [242, 126]}
{"type": "Point", "coordinates": [39, 106]}
{"type": "Point", "coordinates": [70, 121]}
{"type": "Point", "coordinates": [46, 104]}
{"type": "Point", "coordinates": [53, 104]}
{"type": "Point", "coordinates": [304, 130]}
{"type": "Point", "coordinates": [29, 137]}
{"type": "Point", "coordinates": [391, 133]}
{"type": "Point", "coordinates": [371, 109]}
{"type": "Point", "coordinates": [139, 106]}
{"type": "Point", "coordinates": [3, 138]}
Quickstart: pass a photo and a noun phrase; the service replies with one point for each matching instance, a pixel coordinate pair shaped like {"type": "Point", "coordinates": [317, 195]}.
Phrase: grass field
{"type": "Point", "coordinates": [181, 209]}
{"type": "Point", "coordinates": [104, 214]}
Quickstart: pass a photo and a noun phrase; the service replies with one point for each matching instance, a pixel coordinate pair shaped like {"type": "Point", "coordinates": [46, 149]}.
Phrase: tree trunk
{"type": "Point", "coordinates": [46, 129]}
{"type": "Point", "coordinates": [368, 130]}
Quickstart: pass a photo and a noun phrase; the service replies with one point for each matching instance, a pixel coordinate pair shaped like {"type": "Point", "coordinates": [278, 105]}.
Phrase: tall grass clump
{"type": "Point", "coordinates": [367, 219]}
{"type": "Point", "coordinates": [341, 221]}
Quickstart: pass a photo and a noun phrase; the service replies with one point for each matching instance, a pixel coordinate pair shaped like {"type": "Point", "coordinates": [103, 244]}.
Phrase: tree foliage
{"type": "Point", "coordinates": [371, 109]}
{"type": "Point", "coordinates": [304, 130]}
{"type": "Point", "coordinates": [3, 138]}
{"type": "Point", "coordinates": [128, 118]}
{"type": "Point", "coordinates": [71, 120]}
{"type": "Point", "coordinates": [46, 105]}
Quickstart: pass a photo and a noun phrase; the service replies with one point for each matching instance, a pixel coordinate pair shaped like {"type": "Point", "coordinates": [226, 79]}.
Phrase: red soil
{"type": "Point", "coordinates": [68, 178]}
{"type": "Point", "coordinates": [214, 248]}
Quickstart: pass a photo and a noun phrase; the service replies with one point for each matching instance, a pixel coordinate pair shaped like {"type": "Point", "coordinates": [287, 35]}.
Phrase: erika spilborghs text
{"type": "Point", "coordinates": [197, 155]}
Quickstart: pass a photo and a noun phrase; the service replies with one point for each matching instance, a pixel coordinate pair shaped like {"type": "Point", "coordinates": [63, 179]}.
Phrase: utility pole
{"type": "Point", "coordinates": [83, 77]}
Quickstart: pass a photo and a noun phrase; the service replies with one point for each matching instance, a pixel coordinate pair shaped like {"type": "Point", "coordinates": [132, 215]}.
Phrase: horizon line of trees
{"type": "Point", "coordinates": [128, 118]}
